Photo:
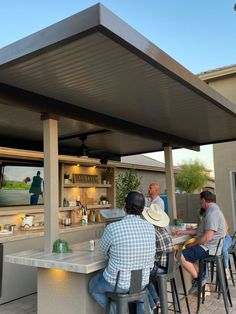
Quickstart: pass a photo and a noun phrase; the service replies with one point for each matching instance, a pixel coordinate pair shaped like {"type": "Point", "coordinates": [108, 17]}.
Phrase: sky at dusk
{"type": "Point", "coordinates": [199, 34]}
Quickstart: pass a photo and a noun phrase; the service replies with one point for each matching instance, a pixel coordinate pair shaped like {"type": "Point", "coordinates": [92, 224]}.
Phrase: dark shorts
{"type": "Point", "coordinates": [195, 253]}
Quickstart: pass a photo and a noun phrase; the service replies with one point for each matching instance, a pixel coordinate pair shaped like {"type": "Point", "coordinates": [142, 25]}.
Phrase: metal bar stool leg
{"type": "Point", "coordinates": [231, 272]}
{"type": "Point", "coordinates": [234, 259]}
{"type": "Point", "coordinates": [184, 287]}
{"type": "Point", "coordinates": [176, 295]}
{"type": "Point", "coordinates": [227, 289]}
{"type": "Point", "coordinates": [200, 275]}
{"type": "Point", "coordinates": [108, 306]}
{"type": "Point", "coordinates": [212, 267]}
{"type": "Point", "coordinates": [174, 301]}
{"type": "Point", "coordinates": [162, 287]}
{"type": "Point", "coordinates": [222, 283]}
{"type": "Point", "coordinates": [122, 307]}
{"type": "Point", "coordinates": [203, 294]}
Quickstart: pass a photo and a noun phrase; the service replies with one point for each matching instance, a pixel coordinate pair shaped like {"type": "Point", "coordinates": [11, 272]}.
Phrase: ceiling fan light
{"type": "Point", "coordinates": [84, 153]}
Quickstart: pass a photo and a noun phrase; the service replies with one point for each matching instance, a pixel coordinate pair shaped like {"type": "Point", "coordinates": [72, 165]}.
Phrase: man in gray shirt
{"type": "Point", "coordinates": [210, 231]}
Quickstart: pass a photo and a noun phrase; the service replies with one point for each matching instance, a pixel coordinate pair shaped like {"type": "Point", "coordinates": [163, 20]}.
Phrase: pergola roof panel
{"type": "Point", "coordinates": [95, 61]}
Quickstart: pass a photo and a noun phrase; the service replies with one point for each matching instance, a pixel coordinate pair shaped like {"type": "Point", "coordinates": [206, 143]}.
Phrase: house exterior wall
{"type": "Point", "coordinates": [224, 162]}
{"type": "Point", "coordinates": [225, 153]}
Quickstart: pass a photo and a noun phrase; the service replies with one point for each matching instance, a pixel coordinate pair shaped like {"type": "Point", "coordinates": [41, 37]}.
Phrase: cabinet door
{"type": "Point", "coordinates": [19, 280]}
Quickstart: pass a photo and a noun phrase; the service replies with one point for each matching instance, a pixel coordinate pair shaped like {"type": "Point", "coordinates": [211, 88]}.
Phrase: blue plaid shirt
{"type": "Point", "coordinates": [129, 244]}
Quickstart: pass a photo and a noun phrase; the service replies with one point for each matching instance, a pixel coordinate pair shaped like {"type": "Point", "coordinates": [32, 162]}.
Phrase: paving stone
{"type": "Point", "coordinates": [212, 305]}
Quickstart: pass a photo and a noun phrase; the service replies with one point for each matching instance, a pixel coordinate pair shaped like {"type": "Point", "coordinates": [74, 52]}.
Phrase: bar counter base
{"type": "Point", "coordinates": [63, 292]}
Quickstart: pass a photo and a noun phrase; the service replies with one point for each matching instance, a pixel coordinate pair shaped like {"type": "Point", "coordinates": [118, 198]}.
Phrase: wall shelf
{"type": "Point", "coordinates": [95, 206]}
{"type": "Point", "coordinates": [87, 185]}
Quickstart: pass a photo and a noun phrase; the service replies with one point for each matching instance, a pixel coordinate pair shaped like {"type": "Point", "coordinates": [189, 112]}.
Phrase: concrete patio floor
{"type": "Point", "coordinates": [28, 305]}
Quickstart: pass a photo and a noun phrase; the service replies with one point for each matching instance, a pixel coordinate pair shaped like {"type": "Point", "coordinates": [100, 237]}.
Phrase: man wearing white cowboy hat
{"type": "Point", "coordinates": [157, 217]}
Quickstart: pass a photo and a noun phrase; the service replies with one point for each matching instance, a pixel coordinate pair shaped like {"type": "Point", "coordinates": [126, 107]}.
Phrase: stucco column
{"type": "Point", "coordinates": [170, 182]}
{"type": "Point", "coordinates": [51, 204]}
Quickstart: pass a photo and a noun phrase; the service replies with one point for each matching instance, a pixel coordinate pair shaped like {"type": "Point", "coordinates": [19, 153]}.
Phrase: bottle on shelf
{"type": "Point", "coordinates": [78, 200]}
{"type": "Point", "coordinates": [98, 216]}
{"type": "Point", "coordinates": [65, 202]}
{"type": "Point", "coordinates": [84, 215]}
{"type": "Point", "coordinates": [92, 216]}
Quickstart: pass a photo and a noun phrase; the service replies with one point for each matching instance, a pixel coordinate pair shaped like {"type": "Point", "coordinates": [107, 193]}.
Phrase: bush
{"type": "Point", "coordinates": [192, 177]}
{"type": "Point", "coordinates": [125, 182]}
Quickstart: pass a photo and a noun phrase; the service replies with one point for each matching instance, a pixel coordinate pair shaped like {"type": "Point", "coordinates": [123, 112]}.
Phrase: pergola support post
{"type": "Point", "coordinates": [51, 204]}
{"type": "Point", "coordinates": [170, 182]}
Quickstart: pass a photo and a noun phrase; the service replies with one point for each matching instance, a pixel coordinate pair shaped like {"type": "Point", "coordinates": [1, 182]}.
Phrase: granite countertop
{"type": "Point", "coordinates": [81, 260]}
{"type": "Point", "coordinates": [181, 238]}
{"type": "Point", "coordinates": [22, 235]}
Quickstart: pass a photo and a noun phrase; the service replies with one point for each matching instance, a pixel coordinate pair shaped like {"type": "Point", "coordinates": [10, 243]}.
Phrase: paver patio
{"type": "Point", "coordinates": [28, 304]}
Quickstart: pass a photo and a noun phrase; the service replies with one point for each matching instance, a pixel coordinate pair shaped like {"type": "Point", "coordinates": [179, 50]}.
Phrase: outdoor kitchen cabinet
{"type": "Point", "coordinates": [19, 280]}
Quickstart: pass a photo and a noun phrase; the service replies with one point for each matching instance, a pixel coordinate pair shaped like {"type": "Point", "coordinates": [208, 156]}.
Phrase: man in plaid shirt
{"type": "Point", "coordinates": [128, 244]}
{"type": "Point", "coordinates": [164, 245]}
{"type": "Point", "coordinates": [156, 216]}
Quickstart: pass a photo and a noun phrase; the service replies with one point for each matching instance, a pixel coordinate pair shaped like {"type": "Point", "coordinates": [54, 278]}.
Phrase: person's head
{"type": "Point", "coordinates": [156, 216]}
{"type": "Point", "coordinates": [38, 173]}
{"type": "Point", "coordinates": [154, 190]}
{"type": "Point", "coordinates": [206, 198]}
{"type": "Point", "coordinates": [134, 203]}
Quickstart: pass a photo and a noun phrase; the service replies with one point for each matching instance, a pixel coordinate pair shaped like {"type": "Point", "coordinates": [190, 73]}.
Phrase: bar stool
{"type": "Point", "coordinates": [179, 267]}
{"type": "Point", "coordinates": [1, 266]}
{"type": "Point", "coordinates": [221, 277]}
{"type": "Point", "coordinates": [136, 294]}
{"type": "Point", "coordinates": [161, 286]}
{"type": "Point", "coordinates": [232, 251]}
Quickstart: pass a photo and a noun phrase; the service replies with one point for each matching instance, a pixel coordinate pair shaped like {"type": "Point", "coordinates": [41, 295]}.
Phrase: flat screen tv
{"type": "Point", "coordinates": [16, 186]}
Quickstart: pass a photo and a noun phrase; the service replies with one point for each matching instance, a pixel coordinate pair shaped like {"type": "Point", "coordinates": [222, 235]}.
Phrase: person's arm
{"type": "Point", "coordinates": [205, 238]}
{"type": "Point", "coordinates": [226, 226]}
{"type": "Point", "coordinates": [105, 241]}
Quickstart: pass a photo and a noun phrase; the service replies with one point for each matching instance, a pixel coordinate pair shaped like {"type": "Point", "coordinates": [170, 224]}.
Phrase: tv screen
{"type": "Point", "coordinates": [21, 185]}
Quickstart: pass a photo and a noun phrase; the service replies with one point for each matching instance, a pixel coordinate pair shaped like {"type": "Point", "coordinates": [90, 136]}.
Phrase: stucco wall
{"type": "Point", "coordinates": [224, 162]}
{"type": "Point", "coordinates": [225, 154]}
{"type": "Point", "coordinates": [147, 178]}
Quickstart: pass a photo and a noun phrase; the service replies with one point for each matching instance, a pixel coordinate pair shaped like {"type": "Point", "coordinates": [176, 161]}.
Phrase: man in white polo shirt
{"type": "Point", "coordinates": [154, 196]}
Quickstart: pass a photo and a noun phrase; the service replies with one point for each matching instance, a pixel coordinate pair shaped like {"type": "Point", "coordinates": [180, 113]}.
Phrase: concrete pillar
{"type": "Point", "coordinates": [51, 204]}
{"type": "Point", "coordinates": [170, 182]}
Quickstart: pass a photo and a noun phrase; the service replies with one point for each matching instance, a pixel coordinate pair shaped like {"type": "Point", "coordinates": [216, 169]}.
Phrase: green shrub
{"type": "Point", "coordinates": [125, 182]}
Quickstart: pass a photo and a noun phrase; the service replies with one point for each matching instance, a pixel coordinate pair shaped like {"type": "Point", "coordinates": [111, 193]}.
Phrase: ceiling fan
{"type": "Point", "coordinates": [83, 149]}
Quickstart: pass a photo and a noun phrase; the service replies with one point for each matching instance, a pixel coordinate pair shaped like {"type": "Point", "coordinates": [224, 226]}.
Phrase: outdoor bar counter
{"type": "Point", "coordinates": [63, 278]}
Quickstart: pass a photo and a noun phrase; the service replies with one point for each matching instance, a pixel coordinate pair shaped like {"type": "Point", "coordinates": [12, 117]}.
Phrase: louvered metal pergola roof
{"type": "Point", "coordinates": [104, 79]}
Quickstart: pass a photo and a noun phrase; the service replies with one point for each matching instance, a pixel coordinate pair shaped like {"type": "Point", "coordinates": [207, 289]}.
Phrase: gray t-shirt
{"type": "Point", "coordinates": [213, 220]}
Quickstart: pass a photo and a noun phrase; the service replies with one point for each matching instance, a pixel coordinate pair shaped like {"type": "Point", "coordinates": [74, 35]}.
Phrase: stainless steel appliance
{"type": "Point", "coordinates": [111, 215]}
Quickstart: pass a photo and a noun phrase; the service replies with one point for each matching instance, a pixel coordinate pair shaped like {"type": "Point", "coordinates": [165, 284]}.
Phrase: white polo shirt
{"type": "Point", "coordinates": [158, 200]}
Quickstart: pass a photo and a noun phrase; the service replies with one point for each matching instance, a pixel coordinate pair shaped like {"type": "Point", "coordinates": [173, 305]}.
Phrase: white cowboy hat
{"type": "Point", "coordinates": [156, 216]}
